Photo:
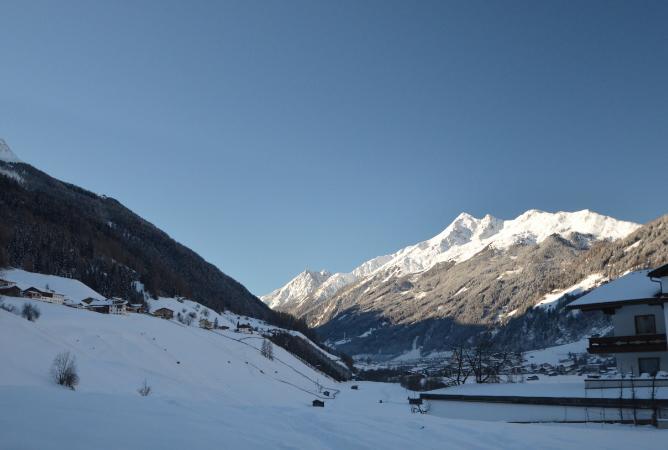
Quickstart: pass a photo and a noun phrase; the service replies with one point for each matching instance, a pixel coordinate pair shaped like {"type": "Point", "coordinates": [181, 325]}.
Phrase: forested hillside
{"type": "Point", "coordinates": [57, 228]}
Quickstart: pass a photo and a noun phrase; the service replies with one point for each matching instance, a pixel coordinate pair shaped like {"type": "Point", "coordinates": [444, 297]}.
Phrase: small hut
{"type": "Point", "coordinates": [165, 313]}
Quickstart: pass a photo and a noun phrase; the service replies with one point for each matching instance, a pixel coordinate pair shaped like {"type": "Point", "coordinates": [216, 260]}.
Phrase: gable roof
{"type": "Point", "coordinates": [635, 287]}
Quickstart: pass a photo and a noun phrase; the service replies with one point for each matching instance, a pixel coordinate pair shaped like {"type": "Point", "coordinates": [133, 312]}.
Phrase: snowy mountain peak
{"type": "Point", "coordinates": [6, 153]}
{"type": "Point", "coordinates": [460, 240]}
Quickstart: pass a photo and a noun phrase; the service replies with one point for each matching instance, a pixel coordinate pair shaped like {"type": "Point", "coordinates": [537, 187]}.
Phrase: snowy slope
{"type": "Point", "coordinates": [115, 353]}
{"type": "Point", "coordinates": [73, 290]}
{"type": "Point", "coordinates": [215, 390]}
{"type": "Point", "coordinates": [461, 240]}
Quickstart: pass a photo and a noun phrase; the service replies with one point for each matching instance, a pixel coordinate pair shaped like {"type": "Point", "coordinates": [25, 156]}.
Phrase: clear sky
{"type": "Point", "coordinates": [279, 135]}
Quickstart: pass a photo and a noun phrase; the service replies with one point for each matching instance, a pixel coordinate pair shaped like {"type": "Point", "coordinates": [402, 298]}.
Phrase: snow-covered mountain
{"type": "Point", "coordinates": [462, 239]}
{"type": "Point", "coordinates": [6, 153]}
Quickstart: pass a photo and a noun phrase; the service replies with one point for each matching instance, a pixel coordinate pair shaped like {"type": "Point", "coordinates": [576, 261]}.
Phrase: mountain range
{"type": "Point", "coordinates": [476, 276]}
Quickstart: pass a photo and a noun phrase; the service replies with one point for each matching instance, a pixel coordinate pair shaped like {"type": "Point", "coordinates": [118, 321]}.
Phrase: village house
{"type": "Point", "coordinates": [165, 313]}
{"type": "Point", "coordinates": [97, 305]}
{"type": "Point", "coordinates": [636, 306]}
{"type": "Point", "coordinates": [244, 328]}
{"type": "Point", "coordinates": [10, 290]}
{"type": "Point", "coordinates": [134, 307]}
{"type": "Point", "coordinates": [117, 305]}
{"type": "Point", "coordinates": [43, 295]}
{"type": "Point", "coordinates": [6, 283]}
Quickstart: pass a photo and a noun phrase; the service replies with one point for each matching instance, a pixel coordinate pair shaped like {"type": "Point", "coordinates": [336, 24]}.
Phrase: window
{"type": "Point", "coordinates": [648, 365]}
{"type": "Point", "coordinates": [645, 324]}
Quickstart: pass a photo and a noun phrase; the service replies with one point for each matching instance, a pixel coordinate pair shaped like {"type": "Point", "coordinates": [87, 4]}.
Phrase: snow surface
{"type": "Point", "coordinates": [462, 239]}
{"type": "Point", "coordinates": [213, 389]}
{"type": "Point", "coordinates": [71, 289]}
{"type": "Point", "coordinates": [632, 286]}
{"type": "Point", "coordinates": [6, 153]}
{"type": "Point", "coordinates": [552, 355]}
{"type": "Point", "coordinates": [550, 300]}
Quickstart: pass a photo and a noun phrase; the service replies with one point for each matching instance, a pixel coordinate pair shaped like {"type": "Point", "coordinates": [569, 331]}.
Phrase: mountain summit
{"type": "Point", "coordinates": [6, 153]}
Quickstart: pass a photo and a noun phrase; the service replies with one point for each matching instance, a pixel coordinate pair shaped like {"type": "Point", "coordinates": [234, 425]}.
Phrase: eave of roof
{"type": "Point", "coordinates": [659, 272]}
{"type": "Point", "coordinates": [619, 303]}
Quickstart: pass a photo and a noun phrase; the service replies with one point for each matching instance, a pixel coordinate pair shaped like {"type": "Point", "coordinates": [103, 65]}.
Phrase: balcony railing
{"type": "Point", "coordinates": [628, 344]}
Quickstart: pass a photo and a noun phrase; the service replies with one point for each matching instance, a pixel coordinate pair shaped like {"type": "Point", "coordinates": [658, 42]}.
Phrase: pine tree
{"type": "Point", "coordinates": [267, 349]}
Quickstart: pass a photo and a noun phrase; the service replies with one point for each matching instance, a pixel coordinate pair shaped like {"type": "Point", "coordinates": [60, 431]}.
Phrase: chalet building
{"type": "Point", "coordinates": [165, 313]}
{"type": "Point", "coordinates": [117, 305]}
{"type": "Point", "coordinates": [6, 283]}
{"type": "Point", "coordinates": [10, 290]}
{"type": "Point", "coordinates": [318, 403]}
{"type": "Point", "coordinates": [244, 328]}
{"type": "Point", "coordinates": [97, 305]}
{"type": "Point", "coordinates": [636, 304]}
{"type": "Point", "coordinates": [43, 295]}
{"type": "Point", "coordinates": [206, 324]}
{"type": "Point", "coordinates": [134, 307]}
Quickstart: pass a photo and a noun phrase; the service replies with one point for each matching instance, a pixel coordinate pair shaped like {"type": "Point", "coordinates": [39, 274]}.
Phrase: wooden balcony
{"type": "Point", "coordinates": [628, 344]}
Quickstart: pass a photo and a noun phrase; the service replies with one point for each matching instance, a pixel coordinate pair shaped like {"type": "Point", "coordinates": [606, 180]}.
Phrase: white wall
{"type": "Point", "coordinates": [506, 412]}
{"type": "Point", "coordinates": [627, 362]}
{"type": "Point", "coordinates": [624, 319]}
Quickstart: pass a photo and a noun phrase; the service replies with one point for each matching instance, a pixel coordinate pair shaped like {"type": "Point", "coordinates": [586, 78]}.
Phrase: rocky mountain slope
{"type": "Point", "coordinates": [465, 237]}
{"type": "Point", "coordinates": [485, 275]}
{"type": "Point", "coordinates": [53, 227]}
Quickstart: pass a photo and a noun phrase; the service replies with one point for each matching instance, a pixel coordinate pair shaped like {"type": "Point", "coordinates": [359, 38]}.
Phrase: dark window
{"type": "Point", "coordinates": [645, 324]}
{"type": "Point", "coordinates": [648, 365]}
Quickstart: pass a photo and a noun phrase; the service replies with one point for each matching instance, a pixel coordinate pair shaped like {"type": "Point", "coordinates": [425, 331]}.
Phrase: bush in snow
{"type": "Point", "coordinates": [64, 370]}
{"type": "Point", "coordinates": [145, 389]}
{"type": "Point", "coordinates": [267, 349]}
{"type": "Point", "coordinates": [30, 312]}
{"type": "Point", "coordinates": [8, 308]}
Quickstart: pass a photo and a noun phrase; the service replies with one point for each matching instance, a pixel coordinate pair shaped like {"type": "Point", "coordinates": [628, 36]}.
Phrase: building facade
{"type": "Point", "coordinates": [636, 305]}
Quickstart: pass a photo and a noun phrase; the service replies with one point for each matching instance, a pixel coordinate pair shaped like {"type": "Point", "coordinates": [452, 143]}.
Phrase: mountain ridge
{"type": "Point", "coordinates": [464, 237]}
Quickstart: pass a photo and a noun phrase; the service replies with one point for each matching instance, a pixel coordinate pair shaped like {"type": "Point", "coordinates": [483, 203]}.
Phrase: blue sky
{"type": "Point", "coordinates": [274, 136]}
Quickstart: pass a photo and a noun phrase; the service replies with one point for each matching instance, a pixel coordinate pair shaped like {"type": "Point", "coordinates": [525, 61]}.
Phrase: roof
{"type": "Point", "coordinates": [635, 287]}
{"type": "Point", "coordinates": [659, 272]}
{"type": "Point", "coordinates": [163, 309]}
{"type": "Point", "coordinates": [96, 303]}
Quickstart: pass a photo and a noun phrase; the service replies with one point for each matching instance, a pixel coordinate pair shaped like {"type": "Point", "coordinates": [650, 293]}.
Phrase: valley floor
{"type": "Point", "coordinates": [50, 418]}
{"type": "Point", "coordinates": [214, 390]}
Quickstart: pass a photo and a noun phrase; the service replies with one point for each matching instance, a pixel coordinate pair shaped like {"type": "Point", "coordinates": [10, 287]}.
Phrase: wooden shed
{"type": "Point", "coordinates": [165, 313]}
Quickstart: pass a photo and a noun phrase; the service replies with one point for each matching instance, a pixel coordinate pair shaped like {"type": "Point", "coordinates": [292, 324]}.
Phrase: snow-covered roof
{"type": "Point", "coordinates": [97, 303]}
{"type": "Point", "coordinates": [635, 286]}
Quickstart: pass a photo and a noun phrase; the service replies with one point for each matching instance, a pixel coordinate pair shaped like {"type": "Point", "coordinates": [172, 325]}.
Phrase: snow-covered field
{"type": "Point", "coordinates": [215, 390]}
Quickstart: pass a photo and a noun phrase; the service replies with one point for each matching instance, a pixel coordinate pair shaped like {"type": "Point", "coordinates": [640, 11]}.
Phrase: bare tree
{"type": "Point", "coordinates": [30, 312]}
{"type": "Point", "coordinates": [458, 369]}
{"type": "Point", "coordinates": [64, 370]}
{"type": "Point", "coordinates": [267, 349]}
{"type": "Point", "coordinates": [144, 390]}
{"type": "Point", "coordinates": [488, 364]}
